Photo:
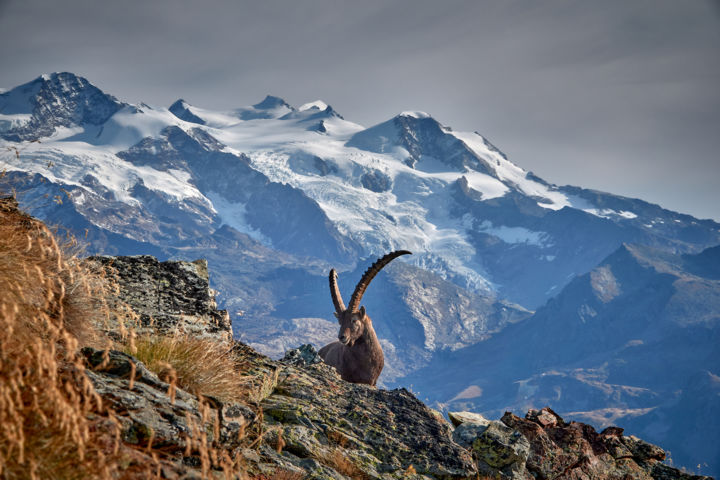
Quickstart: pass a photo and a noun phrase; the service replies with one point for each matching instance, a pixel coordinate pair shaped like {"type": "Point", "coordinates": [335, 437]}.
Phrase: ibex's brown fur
{"type": "Point", "coordinates": [357, 354]}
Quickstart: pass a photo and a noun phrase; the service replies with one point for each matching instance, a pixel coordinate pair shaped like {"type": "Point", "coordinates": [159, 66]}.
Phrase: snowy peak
{"type": "Point", "coordinates": [271, 102]}
{"type": "Point", "coordinates": [181, 109]}
{"type": "Point", "coordinates": [417, 139]}
{"type": "Point", "coordinates": [316, 105]}
{"type": "Point", "coordinates": [319, 108]}
{"type": "Point", "coordinates": [270, 107]}
{"type": "Point", "coordinates": [414, 114]}
{"type": "Point", "coordinates": [38, 108]}
{"type": "Point", "coordinates": [315, 115]}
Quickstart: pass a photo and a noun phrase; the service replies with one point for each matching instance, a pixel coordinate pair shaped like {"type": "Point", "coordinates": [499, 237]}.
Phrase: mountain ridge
{"type": "Point", "coordinates": [638, 332]}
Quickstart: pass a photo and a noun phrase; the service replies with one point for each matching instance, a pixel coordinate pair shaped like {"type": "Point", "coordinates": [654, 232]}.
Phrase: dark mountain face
{"type": "Point", "coordinates": [422, 137]}
{"type": "Point", "coordinates": [56, 100]}
{"type": "Point", "coordinates": [180, 109]}
{"type": "Point", "coordinates": [618, 345]}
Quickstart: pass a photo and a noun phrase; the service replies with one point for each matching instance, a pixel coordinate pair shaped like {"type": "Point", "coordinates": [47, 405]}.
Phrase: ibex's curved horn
{"type": "Point", "coordinates": [369, 275]}
{"type": "Point", "coordinates": [335, 293]}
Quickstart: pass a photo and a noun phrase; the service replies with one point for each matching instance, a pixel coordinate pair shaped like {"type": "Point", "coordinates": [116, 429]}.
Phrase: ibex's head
{"type": "Point", "coordinates": [353, 319]}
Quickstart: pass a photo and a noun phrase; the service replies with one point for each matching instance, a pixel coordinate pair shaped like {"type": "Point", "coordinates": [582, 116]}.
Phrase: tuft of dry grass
{"type": "Point", "coordinates": [338, 460]}
{"type": "Point", "coordinates": [47, 302]}
{"type": "Point", "coordinates": [201, 366]}
{"type": "Point", "coordinates": [281, 474]}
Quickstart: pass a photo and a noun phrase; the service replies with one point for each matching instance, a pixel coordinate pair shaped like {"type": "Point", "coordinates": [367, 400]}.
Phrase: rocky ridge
{"type": "Point", "coordinates": [302, 419]}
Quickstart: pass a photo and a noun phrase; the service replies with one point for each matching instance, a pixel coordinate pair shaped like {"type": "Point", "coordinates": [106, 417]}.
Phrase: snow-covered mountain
{"type": "Point", "coordinates": [274, 195]}
{"type": "Point", "coordinates": [470, 214]}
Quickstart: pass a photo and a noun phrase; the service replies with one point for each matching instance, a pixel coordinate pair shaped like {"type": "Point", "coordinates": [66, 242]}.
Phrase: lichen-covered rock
{"type": "Point", "coordinates": [501, 451]}
{"type": "Point", "coordinates": [151, 411]}
{"type": "Point", "coordinates": [167, 297]}
{"type": "Point", "coordinates": [357, 428]}
{"type": "Point", "coordinates": [302, 356]}
{"type": "Point", "coordinates": [561, 450]}
{"type": "Point", "coordinates": [468, 426]}
{"type": "Point", "coordinates": [643, 451]}
{"type": "Point", "coordinates": [498, 450]}
{"type": "Point", "coordinates": [306, 420]}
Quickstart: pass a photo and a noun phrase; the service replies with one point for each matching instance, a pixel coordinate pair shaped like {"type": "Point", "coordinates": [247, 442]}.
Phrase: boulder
{"type": "Point", "coordinates": [165, 297]}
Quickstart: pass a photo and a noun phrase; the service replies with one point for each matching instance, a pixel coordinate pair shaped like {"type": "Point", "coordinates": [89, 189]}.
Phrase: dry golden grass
{"type": "Point", "coordinates": [281, 474]}
{"type": "Point", "coordinates": [54, 425]}
{"type": "Point", "coordinates": [200, 366]}
{"type": "Point", "coordinates": [339, 461]}
{"type": "Point", "coordinates": [47, 302]}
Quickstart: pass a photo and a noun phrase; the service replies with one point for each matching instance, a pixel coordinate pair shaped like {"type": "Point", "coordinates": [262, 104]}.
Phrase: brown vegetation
{"type": "Point", "coordinates": [198, 365]}
{"type": "Point", "coordinates": [339, 461]}
{"type": "Point", "coordinates": [47, 305]}
{"type": "Point", "coordinates": [54, 423]}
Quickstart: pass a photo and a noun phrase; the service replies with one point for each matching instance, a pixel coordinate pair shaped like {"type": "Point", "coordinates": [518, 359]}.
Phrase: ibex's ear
{"type": "Point", "coordinates": [336, 316]}
{"type": "Point", "coordinates": [362, 311]}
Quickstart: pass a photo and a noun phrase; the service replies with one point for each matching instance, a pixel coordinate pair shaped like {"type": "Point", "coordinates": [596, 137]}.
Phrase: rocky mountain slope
{"type": "Point", "coordinates": [634, 341]}
{"type": "Point", "coordinates": [318, 426]}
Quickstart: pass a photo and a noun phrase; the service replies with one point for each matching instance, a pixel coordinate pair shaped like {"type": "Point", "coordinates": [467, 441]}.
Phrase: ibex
{"type": "Point", "coordinates": [357, 354]}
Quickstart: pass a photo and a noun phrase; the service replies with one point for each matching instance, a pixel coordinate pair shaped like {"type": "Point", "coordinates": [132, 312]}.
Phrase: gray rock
{"type": "Point", "coordinates": [501, 451]}
{"type": "Point", "coordinates": [302, 356]}
{"type": "Point", "coordinates": [378, 433]}
{"type": "Point", "coordinates": [376, 181]}
{"type": "Point", "coordinates": [466, 433]}
{"type": "Point", "coordinates": [148, 414]}
{"type": "Point", "coordinates": [458, 418]}
{"type": "Point", "coordinates": [167, 297]}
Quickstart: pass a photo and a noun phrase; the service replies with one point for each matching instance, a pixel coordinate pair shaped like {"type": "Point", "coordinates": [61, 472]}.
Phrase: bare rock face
{"type": "Point", "coordinates": [172, 296]}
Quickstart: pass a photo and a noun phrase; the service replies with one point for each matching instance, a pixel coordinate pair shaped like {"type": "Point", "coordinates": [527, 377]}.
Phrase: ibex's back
{"type": "Point", "coordinates": [357, 354]}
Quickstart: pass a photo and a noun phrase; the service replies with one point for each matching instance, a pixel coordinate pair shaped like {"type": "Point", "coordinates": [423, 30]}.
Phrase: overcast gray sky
{"type": "Point", "coordinates": [621, 96]}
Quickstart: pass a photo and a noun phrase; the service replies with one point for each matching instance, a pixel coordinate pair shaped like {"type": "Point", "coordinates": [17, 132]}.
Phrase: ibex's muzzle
{"type": "Point", "coordinates": [344, 337]}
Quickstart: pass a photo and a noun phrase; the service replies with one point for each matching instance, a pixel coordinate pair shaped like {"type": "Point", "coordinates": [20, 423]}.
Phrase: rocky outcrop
{"type": "Point", "coordinates": [305, 418]}
{"type": "Point", "coordinates": [152, 413]}
{"type": "Point", "coordinates": [543, 446]}
{"type": "Point", "coordinates": [166, 297]}
{"type": "Point", "coordinates": [298, 416]}
{"type": "Point", "coordinates": [383, 433]}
